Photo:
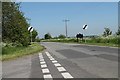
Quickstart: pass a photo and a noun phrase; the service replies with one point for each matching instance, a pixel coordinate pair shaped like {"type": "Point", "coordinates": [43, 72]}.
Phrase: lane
{"type": "Point", "coordinates": [98, 48]}
{"type": "Point", "coordinates": [86, 61]}
{"type": "Point", "coordinates": [61, 60]}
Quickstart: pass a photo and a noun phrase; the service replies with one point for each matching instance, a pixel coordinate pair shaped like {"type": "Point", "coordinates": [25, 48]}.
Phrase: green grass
{"type": "Point", "coordinates": [15, 52]}
{"type": "Point", "coordinates": [101, 44]}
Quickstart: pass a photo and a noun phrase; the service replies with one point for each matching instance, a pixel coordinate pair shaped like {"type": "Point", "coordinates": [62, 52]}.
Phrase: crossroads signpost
{"type": "Point", "coordinates": [30, 29]}
{"type": "Point", "coordinates": [84, 28]}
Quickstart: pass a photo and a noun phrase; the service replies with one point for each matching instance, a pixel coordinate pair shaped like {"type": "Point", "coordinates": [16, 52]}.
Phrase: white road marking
{"type": "Point", "coordinates": [40, 55]}
{"type": "Point", "coordinates": [66, 75]}
{"type": "Point", "coordinates": [43, 66]}
{"type": "Point", "coordinates": [47, 76]}
{"type": "Point", "coordinates": [41, 58]}
{"type": "Point", "coordinates": [42, 62]}
{"type": "Point", "coordinates": [57, 64]}
{"type": "Point", "coordinates": [61, 69]}
{"type": "Point", "coordinates": [45, 70]}
{"type": "Point", "coordinates": [48, 54]}
{"type": "Point", "coordinates": [54, 61]}
{"type": "Point", "coordinates": [50, 57]}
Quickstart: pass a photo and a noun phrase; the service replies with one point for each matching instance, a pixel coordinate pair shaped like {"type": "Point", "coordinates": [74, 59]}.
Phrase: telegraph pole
{"type": "Point", "coordinates": [66, 20]}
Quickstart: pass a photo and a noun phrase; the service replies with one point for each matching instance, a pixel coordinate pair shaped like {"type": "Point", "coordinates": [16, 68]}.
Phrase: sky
{"type": "Point", "coordinates": [47, 17]}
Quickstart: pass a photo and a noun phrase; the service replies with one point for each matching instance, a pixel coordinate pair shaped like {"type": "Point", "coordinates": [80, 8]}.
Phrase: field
{"type": "Point", "coordinates": [112, 41]}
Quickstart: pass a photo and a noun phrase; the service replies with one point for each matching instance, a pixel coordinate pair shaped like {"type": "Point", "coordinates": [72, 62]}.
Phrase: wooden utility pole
{"type": "Point", "coordinates": [66, 20]}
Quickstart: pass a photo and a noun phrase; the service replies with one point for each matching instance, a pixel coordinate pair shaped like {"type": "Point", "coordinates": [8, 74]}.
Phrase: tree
{"type": "Point", "coordinates": [118, 32]}
{"type": "Point", "coordinates": [14, 24]}
{"type": "Point", "coordinates": [34, 35]}
{"type": "Point", "coordinates": [61, 36]}
{"type": "Point", "coordinates": [47, 36]}
{"type": "Point", "coordinates": [107, 32]}
{"type": "Point", "coordinates": [37, 39]}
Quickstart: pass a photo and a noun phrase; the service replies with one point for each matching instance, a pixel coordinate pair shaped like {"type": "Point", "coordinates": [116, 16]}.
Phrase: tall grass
{"type": "Point", "coordinates": [10, 52]}
{"type": "Point", "coordinates": [106, 40]}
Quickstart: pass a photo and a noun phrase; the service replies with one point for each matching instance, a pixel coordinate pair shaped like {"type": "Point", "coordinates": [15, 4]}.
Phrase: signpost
{"type": "Point", "coordinates": [84, 28]}
{"type": "Point", "coordinates": [30, 29]}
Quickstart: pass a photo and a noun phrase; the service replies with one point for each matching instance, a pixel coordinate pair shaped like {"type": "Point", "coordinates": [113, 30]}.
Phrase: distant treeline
{"type": "Point", "coordinates": [15, 25]}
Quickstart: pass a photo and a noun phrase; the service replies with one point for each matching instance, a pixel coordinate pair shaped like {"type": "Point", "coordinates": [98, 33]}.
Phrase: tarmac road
{"type": "Point", "coordinates": [63, 60]}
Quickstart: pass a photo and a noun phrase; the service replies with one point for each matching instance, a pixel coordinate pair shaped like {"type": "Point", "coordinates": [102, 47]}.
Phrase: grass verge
{"type": "Point", "coordinates": [96, 42]}
{"type": "Point", "coordinates": [15, 52]}
{"type": "Point", "coordinates": [102, 44]}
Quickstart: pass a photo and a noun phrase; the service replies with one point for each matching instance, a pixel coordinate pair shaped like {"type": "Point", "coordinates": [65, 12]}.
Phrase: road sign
{"type": "Point", "coordinates": [85, 26]}
{"type": "Point", "coordinates": [30, 28]}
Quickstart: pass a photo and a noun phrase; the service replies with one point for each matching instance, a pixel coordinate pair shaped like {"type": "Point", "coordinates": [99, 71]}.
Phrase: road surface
{"type": "Point", "coordinates": [62, 60]}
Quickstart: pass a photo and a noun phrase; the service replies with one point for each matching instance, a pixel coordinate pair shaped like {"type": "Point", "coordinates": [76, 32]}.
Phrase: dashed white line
{"type": "Point", "coordinates": [40, 54]}
{"type": "Point", "coordinates": [60, 69]}
{"type": "Point", "coordinates": [48, 54]}
{"type": "Point", "coordinates": [66, 75]}
{"type": "Point", "coordinates": [57, 64]}
{"type": "Point", "coordinates": [50, 57]}
{"type": "Point", "coordinates": [41, 58]}
{"type": "Point", "coordinates": [45, 70]}
{"type": "Point", "coordinates": [47, 76]}
{"type": "Point", "coordinates": [54, 61]}
{"type": "Point", "coordinates": [42, 62]}
{"type": "Point", "coordinates": [43, 66]}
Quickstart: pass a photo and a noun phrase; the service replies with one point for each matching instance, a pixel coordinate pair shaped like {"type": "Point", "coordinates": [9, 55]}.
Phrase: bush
{"type": "Point", "coordinates": [61, 36]}
{"type": "Point", "coordinates": [104, 40]}
{"type": "Point", "coordinates": [114, 40]}
{"type": "Point", "coordinates": [47, 36]}
{"type": "Point", "coordinates": [37, 40]}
